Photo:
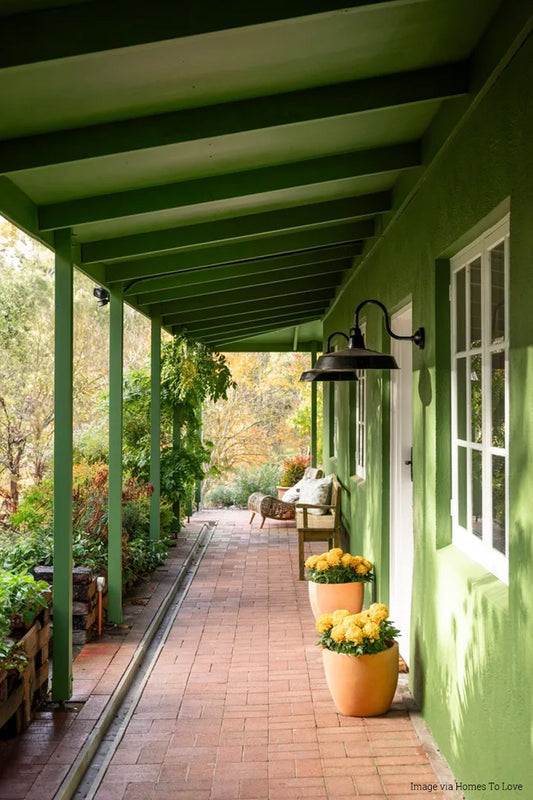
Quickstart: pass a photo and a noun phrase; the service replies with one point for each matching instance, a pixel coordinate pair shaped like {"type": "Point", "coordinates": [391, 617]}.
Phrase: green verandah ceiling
{"type": "Point", "coordinates": [227, 163]}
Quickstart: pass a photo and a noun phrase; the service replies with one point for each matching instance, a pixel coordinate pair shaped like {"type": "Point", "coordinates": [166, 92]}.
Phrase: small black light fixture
{"type": "Point", "coordinates": [102, 295]}
{"type": "Point", "coordinates": [329, 374]}
{"type": "Point", "coordinates": [357, 356]}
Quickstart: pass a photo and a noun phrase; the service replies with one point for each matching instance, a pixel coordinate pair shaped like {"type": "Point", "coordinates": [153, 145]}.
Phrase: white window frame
{"type": "Point", "coordinates": [360, 421]}
{"type": "Point", "coordinates": [480, 549]}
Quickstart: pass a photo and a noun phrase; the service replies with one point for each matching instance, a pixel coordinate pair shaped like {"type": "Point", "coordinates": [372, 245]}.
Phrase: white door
{"type": "Point", "coordinates": [401, 486]}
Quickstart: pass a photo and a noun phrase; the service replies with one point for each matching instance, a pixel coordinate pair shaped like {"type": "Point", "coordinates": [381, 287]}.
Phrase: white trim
{"type": "Point", "coordinates": [480, 549]}
{"type": "Point", "coordinates": [360, 421]}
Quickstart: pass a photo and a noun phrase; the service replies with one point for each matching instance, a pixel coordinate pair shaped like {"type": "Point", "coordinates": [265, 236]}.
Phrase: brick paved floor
{"type": "Point", "coordinates": [237, 706]}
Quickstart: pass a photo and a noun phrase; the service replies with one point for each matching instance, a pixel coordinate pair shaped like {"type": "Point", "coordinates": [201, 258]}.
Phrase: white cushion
{"type": "Point", "coordinates": [291, 495]}
{"type": "Point", "coordinates": [316, 491]}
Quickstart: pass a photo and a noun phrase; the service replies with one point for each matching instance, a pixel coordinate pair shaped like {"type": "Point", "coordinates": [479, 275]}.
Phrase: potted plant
{"type": "Point", "coordinates": [293, 471]}
{"type": "Point", "coordinates": [360, 659]}
{"type": "Point", "coordinates": [336, 580]}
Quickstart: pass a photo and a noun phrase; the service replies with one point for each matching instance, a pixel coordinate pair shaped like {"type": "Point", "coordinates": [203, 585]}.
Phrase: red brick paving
{"type": "Point", "coordinates": [237, 706]}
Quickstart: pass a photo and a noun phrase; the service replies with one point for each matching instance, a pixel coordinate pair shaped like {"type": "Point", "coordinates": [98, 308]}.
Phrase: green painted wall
{"type": "Point", "coordinates": [471, 647]}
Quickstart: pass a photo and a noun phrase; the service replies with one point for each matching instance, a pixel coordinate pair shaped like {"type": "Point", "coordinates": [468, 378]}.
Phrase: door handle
{"type": "Point", "coordinates": [409, 463]}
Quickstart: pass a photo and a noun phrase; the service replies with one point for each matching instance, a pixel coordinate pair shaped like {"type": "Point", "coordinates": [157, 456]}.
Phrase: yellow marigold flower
{"type": "Point", "coordinates": [339, 615]}
{"type": "Point", "coordinates": [346, 560]}
{"type": "Point", "coordinates": [361, 569]}
{"type": "Point", "coordinates": [336, 551]}
{"type": "Point", "coordinates": [324, 623]}
{"type": "Point", "coordinates": [333, 559]}
{"type": "Point", "coordinates": [354, 634]}
{"type": "Point", "coordinates": [360, 619]}
{"type": "Point", "coordinates": [368, 564]}
{"type": "Point", "coordinates": [312, 561]}
{"type": "Point", "coordinates": [371, 631]}
{"type": "Point", "coordinates": [355, 561]}
{"type": "Point", "coordinates": [322, 564]}
{"type": "Point", "coordinates": [378, 612]}
{"type": "Point", "coordinates": [337, 633]}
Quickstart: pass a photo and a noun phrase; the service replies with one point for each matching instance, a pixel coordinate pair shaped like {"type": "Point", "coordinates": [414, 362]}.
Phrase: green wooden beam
{"type": "Point", "coordinates": [155, 428]}
{"type": "Point", "coordinates": [116, 334]}
{"type": "Point", "coordinates": [241, 269]}
{"type": "Point", "coordinates": [236, 184]}
{"type": "Point", "coordinates": [225, 119]}
{"type": "Point", "coordinates": [244, 283]}
{"type": "Point", "coordinates": [171, 239]}
{"type": "Point", "coordinates": [273, 291]}
{"type": "Point", "coordinates": [221, 324]}
{"type": "Point", "coordinates": [133, 274]}
{"type": "Point", "coordinates": [63, 373]}
{"type": "Point", "coordinates": [187, 315]}
{"type": "Point", "coordinates": [80, 29]}
{"type": "Point", "coordinates": [255, 345]}
{"type": "Point", "coordinates": [221, 341]}
{"type": "Point", "coordinates": [296, 318]}
{"type": "Point", "coordinates": [241, 227]}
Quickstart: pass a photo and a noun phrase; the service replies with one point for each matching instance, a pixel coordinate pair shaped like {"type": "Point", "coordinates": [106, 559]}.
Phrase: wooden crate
{"type": "Point", "coordinates": [21, 692]}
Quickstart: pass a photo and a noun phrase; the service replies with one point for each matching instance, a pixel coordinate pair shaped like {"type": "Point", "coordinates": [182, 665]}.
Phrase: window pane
{"type": "Point", "coordinates": [475, 398]}
{"type": "Point", "coordinates": [461, 398]}
{"type": "Point", "coordinates": [497, 283]}
{"type": "Point", "coordinates": [498, 399]}
{"type": "Point", "coordinates": [498, 503]}
{"type": "Point", "coordinates": [475, 303]}
{"type": "Point", "coordinates": [460, 313]}
{"type": "Point", "coordinates": [477, 494]}
{"type": "Point", "coordinates": [463, 483]}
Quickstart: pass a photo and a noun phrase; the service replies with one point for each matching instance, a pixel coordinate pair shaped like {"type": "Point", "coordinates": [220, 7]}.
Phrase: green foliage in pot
{"type": "Point", "coordinates": [23, 597]}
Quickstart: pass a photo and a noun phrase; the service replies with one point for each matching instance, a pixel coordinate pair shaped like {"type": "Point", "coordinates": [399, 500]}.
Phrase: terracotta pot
{"type": "Point", "coordinates": [328, 597]}
{"type": "Point", "coordinates": [362, 686]}
{"type": "Point", "coordinates": [281, 491]}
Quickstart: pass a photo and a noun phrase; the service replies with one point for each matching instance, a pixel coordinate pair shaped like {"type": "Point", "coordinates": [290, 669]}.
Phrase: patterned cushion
{"type": "Point", "coordinates": [316, 491]}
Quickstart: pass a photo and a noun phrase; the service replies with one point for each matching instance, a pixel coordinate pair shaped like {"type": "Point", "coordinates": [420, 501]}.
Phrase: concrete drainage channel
{"type": "Point", "coordinates": [88, 770]}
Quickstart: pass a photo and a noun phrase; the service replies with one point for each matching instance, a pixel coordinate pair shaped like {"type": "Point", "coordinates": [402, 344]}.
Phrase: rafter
{"type": "Point", "coordinates": [30, 37]}
{"type": "Point", "coordinates": [225, 324]}
{"type": "Point", "coordinates": [224, 119]}
{"type": "Point", "coordinates": [252, 307]}
{"type": "Point", "coordinates": [163, 240]}
{"type": "Point", "coordinates": [238, 269]}
{"type": "Point", "coordinates": [130, 270]}
{"type": "Point", "coordinates": [324, 283]}
{"type": "Point", "coordinates": [245, 283]}
{"type": "Point", "coordinates": [220, 342]}
{"type": "Point", "coordinates": [250, 328]}
{"type": "Point", "coordinates": [229, 186]}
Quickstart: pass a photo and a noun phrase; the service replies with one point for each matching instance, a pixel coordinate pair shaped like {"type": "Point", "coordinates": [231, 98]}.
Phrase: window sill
{"type": "Point", "coordinates": [473, 577]}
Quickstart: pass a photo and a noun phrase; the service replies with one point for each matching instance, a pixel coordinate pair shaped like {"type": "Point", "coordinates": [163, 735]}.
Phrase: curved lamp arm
{"type": "Point", "coordinates": [356, 337]}
{"type": "Point", "coordinates": [330, 337]}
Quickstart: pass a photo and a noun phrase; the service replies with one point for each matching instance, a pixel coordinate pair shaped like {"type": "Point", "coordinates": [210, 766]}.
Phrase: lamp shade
{"type": "Point", "coordinates": [353, 358]}
{"type": "Point", "coordinates": [328, 375]}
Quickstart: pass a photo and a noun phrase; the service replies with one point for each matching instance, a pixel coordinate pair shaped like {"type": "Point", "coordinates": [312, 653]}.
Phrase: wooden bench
{"type": "Point", "coordinates": [319, 527]}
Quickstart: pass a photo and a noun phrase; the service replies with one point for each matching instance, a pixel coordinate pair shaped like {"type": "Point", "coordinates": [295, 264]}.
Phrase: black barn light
{"type": "Point", "coordinates": [329, 374]}
{"type": "Point", "coordinates": [357, 356]}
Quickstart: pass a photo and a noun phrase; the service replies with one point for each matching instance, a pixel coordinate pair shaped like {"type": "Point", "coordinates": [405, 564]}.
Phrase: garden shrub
{"type": "Point", "coordinates": [293, 470]}
{"type": "Point", "coordinates": [263, 478]}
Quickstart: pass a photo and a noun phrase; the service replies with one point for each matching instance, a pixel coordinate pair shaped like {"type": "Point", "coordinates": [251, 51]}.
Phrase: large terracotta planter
{"type": "Point", "coordinates": [362, 686]}
{"type": "Point", "coordinates": [325, 598]}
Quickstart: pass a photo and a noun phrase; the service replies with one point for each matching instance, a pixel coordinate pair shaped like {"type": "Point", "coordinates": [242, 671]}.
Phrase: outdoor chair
{"type": "Point", "coordinates": [319, 527]}
{"type": "Point", "coordinates": [271, 507]}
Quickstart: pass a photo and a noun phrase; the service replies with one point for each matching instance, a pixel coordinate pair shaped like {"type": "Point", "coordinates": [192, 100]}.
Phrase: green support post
{"type": "Point", "coordinates": [62, 674]}
{"type": "Point", "coordinates": [176, 444]}
{"type": "Point", "coordinates": [314, 415]}
{"type": "Point", "coordinates": [198, 484]}
{"type": "Point", "coordinates": [155, 428]}
{"type": "Point", "coordinates": [114, 544]}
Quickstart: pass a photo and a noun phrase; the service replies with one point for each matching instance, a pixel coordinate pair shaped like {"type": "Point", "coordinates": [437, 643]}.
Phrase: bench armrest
{"type": "Point", "coordinates": [312, 505]}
